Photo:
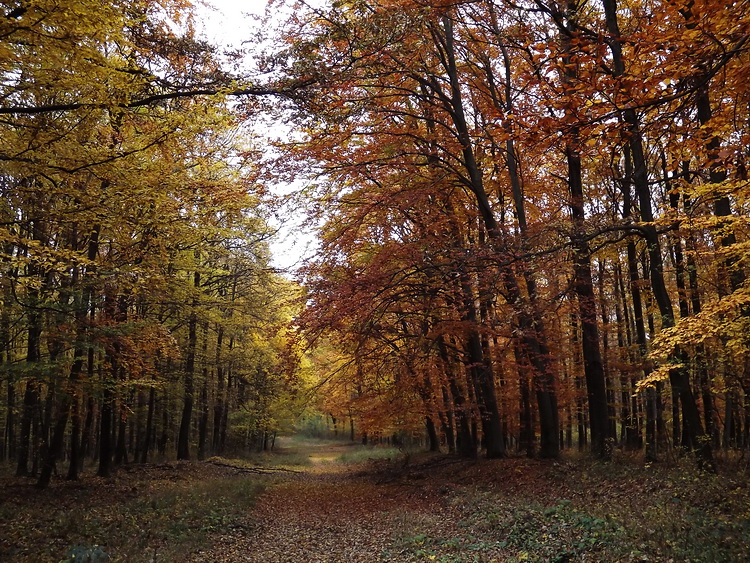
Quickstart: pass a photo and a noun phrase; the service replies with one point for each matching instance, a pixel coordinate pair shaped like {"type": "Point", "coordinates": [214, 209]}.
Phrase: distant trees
{"type": "Point", "coordinates": [519, 198]}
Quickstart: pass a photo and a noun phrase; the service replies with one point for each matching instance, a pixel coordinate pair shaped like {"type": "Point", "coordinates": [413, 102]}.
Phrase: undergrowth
{"type": "Point", "coordinates": [364, 454]}
{"type": "Point", "coordinates": [141, 522]}
{"type": "Point", "coordinates": [589, 511]}
{"type": "Point", "coordinates": [450, 510]}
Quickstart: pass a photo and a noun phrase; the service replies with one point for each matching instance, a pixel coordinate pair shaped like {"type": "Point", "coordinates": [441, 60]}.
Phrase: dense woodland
{"type": "Point", "coordinates": [140, 316]}
{"type": "Point", "coordinates": [533, 221]}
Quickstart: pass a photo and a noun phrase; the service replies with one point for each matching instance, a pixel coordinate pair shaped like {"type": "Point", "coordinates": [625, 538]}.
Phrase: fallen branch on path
{"type": "Point", "coordinates": [256, 470]}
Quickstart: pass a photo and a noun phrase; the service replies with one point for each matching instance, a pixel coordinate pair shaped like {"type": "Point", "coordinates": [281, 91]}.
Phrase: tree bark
{"type": "Point", "coordinates": [31, 397]}
{"type": "Point", "coordinates": [679, 378]}
{"type": "Point", "coordinates": [529, 325]}
{"type": "Point", "coordinates": [583, 285]}
{"type": "Point", "coordinates": [183, 440]}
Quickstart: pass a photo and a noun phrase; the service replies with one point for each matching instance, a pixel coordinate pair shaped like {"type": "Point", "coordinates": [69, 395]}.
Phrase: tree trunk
{"type": "Point", "coordinates": [465, 443]}
{"type": "Point", "coordinates": [219, 402]}
{"type": "Point", "coordinates": [149, 424]}
{"type": "Point", "coordinates": [583, 285]}
{"type": "Point", "coordinates": [678, 378]}
{"type": "Point", "coordinates": [31, 395]}
{"type": "Point", "coordinates": [183, 440]}
{"type": "Point", "coordinates": [203, 422]}
{"type": "Point", "coordinates": [105, 433]}
{"type": "Point", "coordinates": [9, 435]}
{"type": "Point", "coordinates": [529, 324]}
{"type": "Point", "coordinates": [432, 435]}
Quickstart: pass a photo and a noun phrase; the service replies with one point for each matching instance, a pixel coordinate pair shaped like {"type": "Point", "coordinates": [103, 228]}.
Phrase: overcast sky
{"type": "Point", "coordinates": [227, 23]}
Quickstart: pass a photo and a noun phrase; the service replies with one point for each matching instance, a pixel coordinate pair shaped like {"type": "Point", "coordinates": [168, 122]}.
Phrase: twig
{"type": "Point", "coordinates": [258, 470]}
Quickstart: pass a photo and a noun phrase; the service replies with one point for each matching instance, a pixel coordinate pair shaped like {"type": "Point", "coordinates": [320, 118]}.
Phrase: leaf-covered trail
{"type": "Point", "coordinates": [446, 509]}
{"type": "Point", "coordinates": [305, 504]}
{"type": "Point", "coordinates": [332, 512]}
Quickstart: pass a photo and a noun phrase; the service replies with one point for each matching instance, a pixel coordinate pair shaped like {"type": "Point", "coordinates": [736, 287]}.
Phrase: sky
{"type": "Point", "coordinates": [227, 23]}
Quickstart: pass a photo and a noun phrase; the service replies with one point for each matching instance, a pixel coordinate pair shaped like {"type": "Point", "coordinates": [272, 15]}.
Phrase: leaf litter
{"type": "Point", "coordinates": [418, 507]}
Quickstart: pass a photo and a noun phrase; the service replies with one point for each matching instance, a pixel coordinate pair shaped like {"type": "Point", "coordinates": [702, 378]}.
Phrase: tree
{"type": "Point", "coordinates": [491, 115]}
{"type": "Point", "coordinates": [114, 180]}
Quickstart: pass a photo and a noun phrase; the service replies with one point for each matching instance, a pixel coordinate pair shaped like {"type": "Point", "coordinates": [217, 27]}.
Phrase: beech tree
{"type": "Point", "coordinates": [494, 114]}
{"type": "Point", "coordinates": [134, 241]}
{"type": "Point", "coordinates": [533, 222]}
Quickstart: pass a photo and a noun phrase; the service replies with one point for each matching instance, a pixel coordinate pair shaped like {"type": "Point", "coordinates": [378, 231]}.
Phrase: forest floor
{"type": "Point", "coordinates": [316, 501]}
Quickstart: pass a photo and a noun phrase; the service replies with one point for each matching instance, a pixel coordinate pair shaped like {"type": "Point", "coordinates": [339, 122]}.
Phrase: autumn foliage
{"type": "Point", "coordinates": [140, 314]}
{"type": "Point", "coordinates": [534, 220]}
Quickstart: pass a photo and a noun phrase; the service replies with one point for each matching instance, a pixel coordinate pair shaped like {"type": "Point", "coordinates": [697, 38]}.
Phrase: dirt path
{"type": "Point", "coordinates": [330, 512]}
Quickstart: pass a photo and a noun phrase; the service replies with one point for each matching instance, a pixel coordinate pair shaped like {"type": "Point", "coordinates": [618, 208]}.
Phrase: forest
{"type": "Point", "coordinates": [532, 222]}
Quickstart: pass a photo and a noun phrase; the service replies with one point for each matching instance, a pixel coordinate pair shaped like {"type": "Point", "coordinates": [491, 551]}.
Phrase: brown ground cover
{"type": "Point", "coordinates": [336, 502]}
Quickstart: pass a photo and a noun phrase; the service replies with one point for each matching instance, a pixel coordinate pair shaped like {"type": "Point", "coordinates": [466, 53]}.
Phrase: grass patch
{"type": "Point", "coordinates": [277, 458]}
{"type": "Point", "coordinates": [533, 532]}
{"type": "Point", "coordinates": [364, 454]}
{"type": "Point", "coordinates": [514, 533]}
{"type": "Point", "coordinates": [135, 520]}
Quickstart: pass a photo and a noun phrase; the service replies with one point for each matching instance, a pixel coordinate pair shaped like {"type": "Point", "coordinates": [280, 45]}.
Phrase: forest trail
{"type": "Point", "coordinates": [332, 511]}
{"type": "Point", "coordinates": [330, 502]}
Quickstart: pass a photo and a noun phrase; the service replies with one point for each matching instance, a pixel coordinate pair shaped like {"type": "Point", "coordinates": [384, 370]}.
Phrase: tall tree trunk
{"type": "Point", "coordinates": [203, 420]}
{"type": "Point", "coordinates": [70, 397]}
{"type": "Point", "coordinates": [652, 398]}
{"type": "Point", "coordinates": [432, 435]}
{"type": "Point", "coordinates": [30, 407]}
{"type": "Point", "coordinates": [114, 309]}
{"type": "Point", "coordinates": [526, 440]}
{"type": "Point", "coordinates": [10, 423]}
{"type": "Point", "coordinates": [634, 437]}
{"type": "Point", "coordinates": [679, 378]}
{"type": "Point", "coordinates": [31, 397]}
{"type": "Point", "coordinates": [611, 397]}
{"type": "Point", "coordinates": [9, 435]}
{"type": "Point", "coordinates": [55, 448]}
{"type": "Point", "coordinates": [148, 432]}
{"type": "Point", "coordinates": [583, 285]}
{"type": "Point", "coordinates": [593, 368]}
{"type": "Point", "coordinates": [483, 378]}
{"type": "Point", "coordinates": [165, 423]}
{"type": "Point", "coordinates": [88, 425]}
{"type": "Point", "coordinates": [227, 402]}
{"type": "Point", "coordinates": [121, 447]}
{"type": "Point", "coordinates": [465, 443]}
{"type": "Point", "coordinates": [529, 325]}
{"type": "Point", "coordinates": [76, 446]}
{"type": "Point", "coordinates": [105, 431]}
{"type": "Point", "coordinates": [219, 402]}
{"type": "Point", "coordinates": [183, 440]}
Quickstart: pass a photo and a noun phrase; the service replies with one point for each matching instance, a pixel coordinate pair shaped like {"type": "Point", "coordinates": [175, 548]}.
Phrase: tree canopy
{"type": "Point", "coordinates": [533, 223]}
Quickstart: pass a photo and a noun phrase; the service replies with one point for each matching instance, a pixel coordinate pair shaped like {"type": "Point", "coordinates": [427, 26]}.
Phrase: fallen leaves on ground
{"type": "Point", "coordinates": [336, 502]}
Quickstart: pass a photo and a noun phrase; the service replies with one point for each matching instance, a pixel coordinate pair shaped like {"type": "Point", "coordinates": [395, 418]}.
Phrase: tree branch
{"type": "Point", "coordinates": [251, 91]}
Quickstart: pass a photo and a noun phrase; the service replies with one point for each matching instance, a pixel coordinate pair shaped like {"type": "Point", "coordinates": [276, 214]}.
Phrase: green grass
{"type": "Point", "coordinates": [534, 532]}
{"type": "Point", "coordinates": [280, 458]}
{"type": "Point", "coordinates": [144, 522]}
{"type": "Point", "coordinates": [363, 454]}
